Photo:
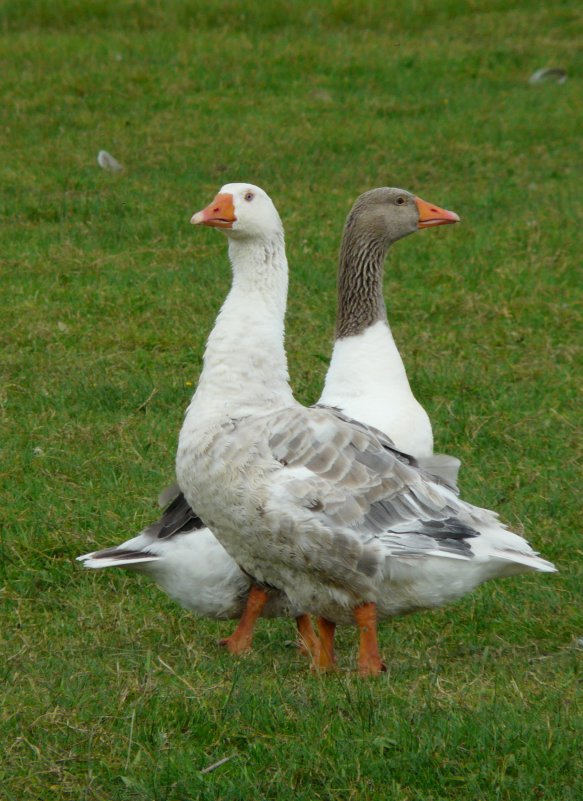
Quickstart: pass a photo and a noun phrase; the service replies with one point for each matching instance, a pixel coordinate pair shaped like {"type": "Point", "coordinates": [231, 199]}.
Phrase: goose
{"type": "Point", "coordinates": [306, 500]}
{"type": "Point", "coordinates": [366, 380]}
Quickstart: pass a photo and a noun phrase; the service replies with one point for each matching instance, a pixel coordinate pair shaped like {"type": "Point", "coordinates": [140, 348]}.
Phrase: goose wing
{"type": "Point", "coordinates": [442, 467]}
{"type": "Point", "coordinates": [351, 500]}
{"type": "Point", "coordinates": [177, 518]}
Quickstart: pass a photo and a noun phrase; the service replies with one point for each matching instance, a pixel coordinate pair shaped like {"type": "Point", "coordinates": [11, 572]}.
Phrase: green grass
{"type": "Point", "coordinates": [111, 692]}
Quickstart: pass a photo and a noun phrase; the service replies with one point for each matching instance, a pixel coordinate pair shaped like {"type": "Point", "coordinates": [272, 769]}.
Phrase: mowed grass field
{"type": "Point", "coordinates": [110, 691]}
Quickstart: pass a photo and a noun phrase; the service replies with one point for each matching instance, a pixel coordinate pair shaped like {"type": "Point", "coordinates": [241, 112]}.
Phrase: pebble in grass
{"type": "Point", "coordinates": [107, 162]}
{"type": "Point", "coordinates": [548, 75]}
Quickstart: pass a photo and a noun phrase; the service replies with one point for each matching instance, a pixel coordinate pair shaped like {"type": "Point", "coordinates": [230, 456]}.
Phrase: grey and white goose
{"type": "Point", "coordinates": [366, 381]}
{"type": "Point", "coordinates": [320, 507]}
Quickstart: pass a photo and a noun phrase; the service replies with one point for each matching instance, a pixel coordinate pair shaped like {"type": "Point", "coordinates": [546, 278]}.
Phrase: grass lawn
{"type": "Point", "coordinates": [111, 692]}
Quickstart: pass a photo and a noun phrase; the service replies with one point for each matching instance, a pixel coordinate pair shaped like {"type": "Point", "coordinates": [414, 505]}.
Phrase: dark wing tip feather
{"type": "Point", "coordinates": [120, 555]}
{"type": "Point", "coordinates": [177, 518]}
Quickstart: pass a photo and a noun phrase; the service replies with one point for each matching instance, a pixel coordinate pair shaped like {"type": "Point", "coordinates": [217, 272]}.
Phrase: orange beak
{"type": "Point", "coordinates": [219, 214]}
{"type": "Point", "coordinates": [430, 215]}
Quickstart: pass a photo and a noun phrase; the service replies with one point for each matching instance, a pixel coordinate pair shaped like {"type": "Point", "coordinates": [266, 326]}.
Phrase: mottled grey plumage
{"type": "Point", "coordinates": [343, 509]}
{"type": "Point", "coordinates": [359, 480]}
{"type": "Point", "coordinates": [344, 518]}
{"type": "Point", "coordinates": [442, 469]}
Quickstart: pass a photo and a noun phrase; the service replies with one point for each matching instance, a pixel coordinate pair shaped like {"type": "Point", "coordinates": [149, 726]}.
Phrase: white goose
{"type": "Point", "coordinates": [178, 551]}
{"type": "Point", "coordinates": [319, 507]}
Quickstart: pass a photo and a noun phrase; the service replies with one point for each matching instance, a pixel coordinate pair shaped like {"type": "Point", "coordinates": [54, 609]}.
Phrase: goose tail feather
{"type": "Point", "coordinates": [116, 557]}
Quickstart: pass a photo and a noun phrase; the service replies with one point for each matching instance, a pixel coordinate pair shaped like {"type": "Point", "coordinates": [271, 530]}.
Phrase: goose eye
{"type": "Point", "coordinates": [249, 196]}
{"type": "Point", "coordinates": [399, 201]}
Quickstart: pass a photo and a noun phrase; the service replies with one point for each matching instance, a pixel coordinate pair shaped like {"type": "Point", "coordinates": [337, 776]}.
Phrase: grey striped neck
{"type": "Point", "coordinates": [360, 283]}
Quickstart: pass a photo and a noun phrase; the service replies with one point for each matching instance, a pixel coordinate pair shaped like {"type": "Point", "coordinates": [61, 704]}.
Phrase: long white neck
{"type": "Point", "coordinates": [367, 365]}
{"type": "Point", "coordinates": [245, 366]}
{"type": "Point", "coordinates": [367, 381]}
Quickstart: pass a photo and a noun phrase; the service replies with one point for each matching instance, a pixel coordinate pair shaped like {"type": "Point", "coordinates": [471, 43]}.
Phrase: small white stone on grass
{"type": "Point", "coordinates": [548, 75]}
{"type": "Point", "coordinates": [107, 162]}
{"type": "Point", "coordinates": [323, 95]}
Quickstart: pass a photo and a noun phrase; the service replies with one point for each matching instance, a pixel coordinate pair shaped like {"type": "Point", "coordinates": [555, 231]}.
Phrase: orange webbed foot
{"type": "Point", "coordinates": [241, 639]}
{"type": "Point", "coordinates": [326, 660]}
{"type": "Point", "coordinates": [308, 645]}
{"type": "Point", "coordinates": [236, 645]}
{"type": "Point", "coordinates": [369, 660]}
{"type": "Point", "coordinates": [371, 667]}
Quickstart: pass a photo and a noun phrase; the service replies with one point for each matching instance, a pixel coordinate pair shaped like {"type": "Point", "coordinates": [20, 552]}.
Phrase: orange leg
{"type": "Point", "coordinates": [369, 661]}
{"type": "Point", "coordinates": [309, 643]}
{"type": "Point", "coordinates": [242, 638]}
{"type": "Point", "coordinates": [326, 658]}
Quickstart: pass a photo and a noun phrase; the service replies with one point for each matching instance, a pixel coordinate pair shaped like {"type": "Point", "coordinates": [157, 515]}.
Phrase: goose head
{"type": "Point", "coordinates": [385, 215]}
{"type": "Point", "coordinates": [377, 219]}
{"type": "Point", "coordinates": [241, 211]}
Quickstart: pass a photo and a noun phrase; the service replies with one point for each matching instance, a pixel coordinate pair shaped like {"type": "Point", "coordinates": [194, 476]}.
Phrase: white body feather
{"type": "Point", "coordinates": [367, 381]}
{"type": "Point", "coordinates": [194, 570]}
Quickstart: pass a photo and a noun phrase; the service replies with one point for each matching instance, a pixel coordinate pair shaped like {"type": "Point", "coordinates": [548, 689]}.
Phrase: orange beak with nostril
{"type": "Point", "coordinates": [430, 215]}
{"type": "Point", "coordinates": [219, 214]}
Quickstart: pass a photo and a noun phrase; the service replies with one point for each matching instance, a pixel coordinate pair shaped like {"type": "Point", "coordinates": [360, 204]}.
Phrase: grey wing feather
{"type": "Point", "coordinates": [177, 517]}
{"type": "Point", "coordinates": [363, 492]}
{"type": "Point", "coordinates": [168, 495]}
{"type": "Point", "coordinates": [441, 466]}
